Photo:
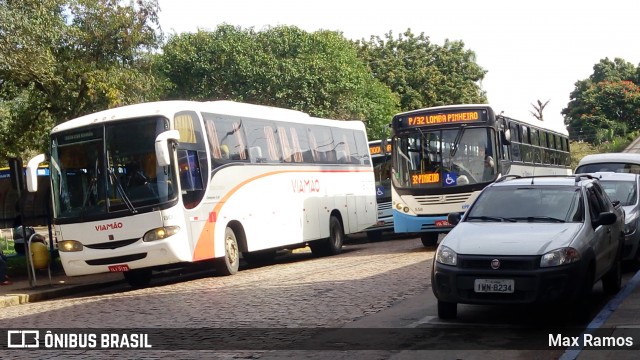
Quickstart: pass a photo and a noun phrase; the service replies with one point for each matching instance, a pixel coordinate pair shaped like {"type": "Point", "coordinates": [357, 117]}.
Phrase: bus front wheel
{"type": "Point", "coordinates": [229, 264]}
{"type": "Point", "coordinates": [429, 239]}
{"type": "Point", "coordinates": [331, 245]}
{"type": "Point", "coordinates": [138, 278]}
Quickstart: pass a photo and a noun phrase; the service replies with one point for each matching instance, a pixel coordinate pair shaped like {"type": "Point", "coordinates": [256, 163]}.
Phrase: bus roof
{"type": "Point", "coordinates": [541, 124]}
{"type": "Point", "coordinates": [222, 107]}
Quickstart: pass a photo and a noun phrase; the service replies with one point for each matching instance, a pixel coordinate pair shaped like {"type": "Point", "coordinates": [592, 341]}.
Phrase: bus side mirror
{"type": "Point", "coordinates": [385, 146]}
{"type": "Point", "coordinates": [32, 172]}
{"type": "Point", "coordinates": [506, 137]}
{"type": "Point", "coordinates": [162, 146]}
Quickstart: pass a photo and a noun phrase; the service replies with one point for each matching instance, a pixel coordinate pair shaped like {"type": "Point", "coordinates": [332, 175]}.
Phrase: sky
{"type": "Point", "coordinates": [532, 50]}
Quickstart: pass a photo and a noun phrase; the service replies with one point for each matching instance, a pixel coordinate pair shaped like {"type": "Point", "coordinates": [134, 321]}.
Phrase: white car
{"type": "Point", "coordinates": [531, 240]}
{"type": "Point", "coordinates": [624, 187]}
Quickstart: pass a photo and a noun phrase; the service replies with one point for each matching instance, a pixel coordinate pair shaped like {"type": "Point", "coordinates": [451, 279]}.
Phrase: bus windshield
{"type": "Point", "coordinates": [445, 157]}
{"type": "Point", "coordinates": [112, 168]}
{"type": "Point", "coordinates": [382, 172]}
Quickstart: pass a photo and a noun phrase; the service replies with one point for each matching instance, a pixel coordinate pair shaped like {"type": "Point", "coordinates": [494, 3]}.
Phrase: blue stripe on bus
{"type": "Point", "coordinates": [403, 223]}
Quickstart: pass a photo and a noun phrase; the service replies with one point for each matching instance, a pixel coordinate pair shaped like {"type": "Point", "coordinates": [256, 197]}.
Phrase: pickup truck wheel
{"type": "Point", "coordinates": [447, 310]}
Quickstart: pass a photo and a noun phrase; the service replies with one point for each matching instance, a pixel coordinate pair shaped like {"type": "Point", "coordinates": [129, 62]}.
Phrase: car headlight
{"type": "Point", "coordinates": [630, 227]}
{"type": "Point", "coordinates": [559, 257]}
{"type": "Point", "coordinates": [446, 256]}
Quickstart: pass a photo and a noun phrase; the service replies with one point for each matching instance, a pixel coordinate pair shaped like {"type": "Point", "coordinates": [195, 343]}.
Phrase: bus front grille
{"type": "Point", "coordinates": [111, 244]}
{"type": "Point", "coordinates": [442, 199]}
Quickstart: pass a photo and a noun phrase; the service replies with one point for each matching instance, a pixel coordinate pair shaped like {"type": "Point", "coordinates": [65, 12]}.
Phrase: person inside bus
{"type": "Point", "coordinates": [137, 184]}
{"type": "Point", "coordinates": [489, 165]}
{"type": "Point", "coordinates": [224, 152]}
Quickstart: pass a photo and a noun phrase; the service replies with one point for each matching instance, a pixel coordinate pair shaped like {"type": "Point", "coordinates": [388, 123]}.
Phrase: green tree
{"type": "Point", "coordinates": [422, 73]}
{"type": "Point", "coordinates": [60, 59]}
{"type": "Point", "coordinates": [319, 73]}
{"type": "Point", "coordinates": [606, 105]}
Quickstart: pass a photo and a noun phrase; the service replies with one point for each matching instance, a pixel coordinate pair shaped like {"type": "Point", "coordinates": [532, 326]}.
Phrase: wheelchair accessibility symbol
{"type": "Point", "coordinates": [450, 179]}
{"type": "Point", "coordinates": [380, 191]}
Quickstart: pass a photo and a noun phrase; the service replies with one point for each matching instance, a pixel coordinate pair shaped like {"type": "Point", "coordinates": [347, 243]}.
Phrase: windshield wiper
{"type": "Point", "coordinates": [490, 218]}
{"type": "Point", "coordinates": [454, 149]}
{"type": "Point", "coordinates": [125, 198]}
{"type": "Point", "coordinates": [538, 218]}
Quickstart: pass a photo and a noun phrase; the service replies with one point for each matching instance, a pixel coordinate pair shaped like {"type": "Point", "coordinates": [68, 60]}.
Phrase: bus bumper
{"type": "Point", "coordinates": [403, 223]}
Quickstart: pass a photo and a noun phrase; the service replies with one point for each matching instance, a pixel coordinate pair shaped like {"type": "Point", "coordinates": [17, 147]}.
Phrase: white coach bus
{"type": "Point", "coordinates": [155, 184]}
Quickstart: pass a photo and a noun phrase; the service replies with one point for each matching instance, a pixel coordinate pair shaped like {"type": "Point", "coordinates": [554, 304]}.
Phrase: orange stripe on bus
{"type": "Point", "coordinates": [204, 247]}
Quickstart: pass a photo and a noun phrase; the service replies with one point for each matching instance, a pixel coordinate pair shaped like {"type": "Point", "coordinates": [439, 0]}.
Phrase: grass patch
{"type": "Point", "coordinates": [17, 264]}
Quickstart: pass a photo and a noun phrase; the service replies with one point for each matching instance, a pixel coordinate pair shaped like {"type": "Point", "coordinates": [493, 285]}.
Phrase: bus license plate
{"type": "Point", "coordinates": [118, 268]}
{"type": "Point", "coordinates": [440, 223]}
{"type": "Point", "coordinates": [504, 286]}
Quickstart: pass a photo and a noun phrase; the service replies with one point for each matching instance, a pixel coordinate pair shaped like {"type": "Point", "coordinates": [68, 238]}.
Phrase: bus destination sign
{"type": "Point", "coordinates": [428, 178]}
{"type": "Point", "coordinates": [462, 116]}
{"type": "Point", "coordinates": [377, 149]}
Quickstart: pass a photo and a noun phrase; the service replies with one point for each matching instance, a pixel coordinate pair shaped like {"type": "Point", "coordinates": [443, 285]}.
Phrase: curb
{"type": "Point", "coordinates": [47, 294]}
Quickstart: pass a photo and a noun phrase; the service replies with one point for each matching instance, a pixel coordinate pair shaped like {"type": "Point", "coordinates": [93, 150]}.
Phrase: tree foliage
{"type": "Point", "coordinates": [422, 73]}
{"type": "Point", "coordinates": [319, 73]}
{"type": "Point", "coordinates": [607, 104]}
{"type": "Point", "coordinates": [60, 59]}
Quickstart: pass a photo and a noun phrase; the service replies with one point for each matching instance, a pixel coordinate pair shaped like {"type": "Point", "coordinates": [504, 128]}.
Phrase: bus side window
{"type": "Point", "coordinates": [284, 144]}
{"type": "Point", "coordinates": [190, 177]}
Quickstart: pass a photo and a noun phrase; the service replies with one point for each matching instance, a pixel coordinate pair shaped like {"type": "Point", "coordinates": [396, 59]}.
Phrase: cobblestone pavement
{"type": "Point", "coordinates": [298, 291]}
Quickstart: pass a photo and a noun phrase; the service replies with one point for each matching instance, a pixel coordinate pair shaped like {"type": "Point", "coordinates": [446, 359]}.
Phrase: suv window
{"type": "Point", "coordinates": [608, 167]}
{"type": "Point", "coordinates": [624, 191]}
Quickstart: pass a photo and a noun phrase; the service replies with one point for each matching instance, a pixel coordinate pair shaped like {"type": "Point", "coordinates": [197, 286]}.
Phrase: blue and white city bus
{"type": "Point", "coordinates": [381, 159]}
{"type": "Point", "coordinates": [444, 156]}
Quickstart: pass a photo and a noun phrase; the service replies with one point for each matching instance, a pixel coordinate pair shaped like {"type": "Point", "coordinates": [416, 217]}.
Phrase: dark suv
{"type": "Point", "coordinates": [531, 240]}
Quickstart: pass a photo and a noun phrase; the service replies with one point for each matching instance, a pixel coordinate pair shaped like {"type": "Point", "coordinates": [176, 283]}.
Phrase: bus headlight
{"type": "Point", "coordinates": [402, 207]}
{"type": "Point", "coordinates": [160, 233]}
{"type": "Point", "coordinates": [70, 246]}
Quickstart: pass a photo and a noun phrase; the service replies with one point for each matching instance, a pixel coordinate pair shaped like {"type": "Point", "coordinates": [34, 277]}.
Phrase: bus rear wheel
{"type": "Point", "coordinates": [374, 235]}
{"type": "Point", "coordinates": [331, 245]}
{"type": "Point", "coordinates": [138, 278]}
{"type": "Point", "coordinates": [229, 264]}
{"type": "Point", "coordinates": [429, 239]}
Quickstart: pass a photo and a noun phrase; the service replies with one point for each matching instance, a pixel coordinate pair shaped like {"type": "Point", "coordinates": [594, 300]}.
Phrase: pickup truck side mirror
{"type": "Point", "coordinates": [605, 218]}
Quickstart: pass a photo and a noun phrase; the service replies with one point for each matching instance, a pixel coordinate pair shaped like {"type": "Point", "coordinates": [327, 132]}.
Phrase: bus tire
{"type": "Point", "coordinates": [429, 239]}
{"type": "Point", "coordinates": [138, 278]}
{"type": "Point", "coordinates": [374, 235]}
{"type": "Point", "coordinates": [333, 244]}
{"type": "Point", "coordinates": [259, 257]}
{"type": "Point", "coordinates": [229, 264]}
